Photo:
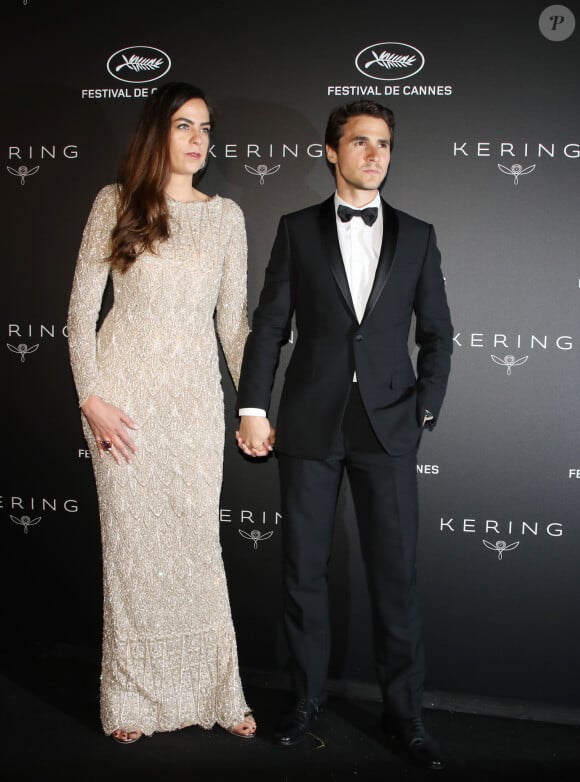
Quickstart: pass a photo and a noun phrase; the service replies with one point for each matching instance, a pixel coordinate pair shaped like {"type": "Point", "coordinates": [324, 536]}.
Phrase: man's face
{"type": "Point", "coordinates": [362, 159]}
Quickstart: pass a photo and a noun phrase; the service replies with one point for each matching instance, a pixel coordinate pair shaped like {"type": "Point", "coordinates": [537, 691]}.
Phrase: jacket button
{"type": "Point", "coordinates": [359, 338]}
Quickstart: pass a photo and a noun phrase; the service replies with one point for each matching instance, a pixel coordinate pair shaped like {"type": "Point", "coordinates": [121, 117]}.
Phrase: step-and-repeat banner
{"type": "Point", "coordinates": [487, 149]}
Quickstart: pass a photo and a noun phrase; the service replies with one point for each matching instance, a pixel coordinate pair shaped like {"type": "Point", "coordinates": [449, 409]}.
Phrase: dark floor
{"type": "Point", "coordinates": [50, 730]}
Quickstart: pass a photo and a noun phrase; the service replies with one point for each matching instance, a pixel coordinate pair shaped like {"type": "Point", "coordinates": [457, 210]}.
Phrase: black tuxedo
{"type": "Point", "coordinates": [372, 428]}
{"type": "Point", "coordinates": [306, 275]}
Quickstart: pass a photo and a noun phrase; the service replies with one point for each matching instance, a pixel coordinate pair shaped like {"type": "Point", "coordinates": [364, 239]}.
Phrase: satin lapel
{"type": "Point", "coordinates": [331, 249]}
{"type": "Point", "coordinates": [386, 257]}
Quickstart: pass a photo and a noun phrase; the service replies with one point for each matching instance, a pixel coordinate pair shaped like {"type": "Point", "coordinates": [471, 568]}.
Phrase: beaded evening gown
{"type": "Point", "coordinates": [169, 649]}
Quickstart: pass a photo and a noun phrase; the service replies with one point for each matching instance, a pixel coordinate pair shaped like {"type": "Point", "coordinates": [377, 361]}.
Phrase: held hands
{"type": "Point", "coordinates": [109, 425]}
{"type": "Point", "coordinates": [256, 436]}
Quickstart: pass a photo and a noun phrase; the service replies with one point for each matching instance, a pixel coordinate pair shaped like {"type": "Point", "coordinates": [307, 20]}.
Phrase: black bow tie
{"type": "Point", "coordinates": [369, 215]}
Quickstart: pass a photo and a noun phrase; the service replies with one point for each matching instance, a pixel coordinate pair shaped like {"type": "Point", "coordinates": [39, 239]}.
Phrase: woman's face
{"type": "Point", "coordinates": [189, 137]}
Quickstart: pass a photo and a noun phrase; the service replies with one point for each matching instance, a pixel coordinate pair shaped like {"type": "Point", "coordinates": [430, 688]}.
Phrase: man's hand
{"type": "Point", "coordinates": [255, 436]}
{"type": "Point", "coordinates": [428, 420]}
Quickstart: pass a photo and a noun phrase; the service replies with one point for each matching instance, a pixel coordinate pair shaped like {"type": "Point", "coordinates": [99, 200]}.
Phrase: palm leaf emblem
{"type": "Point", "coordinates": [389, 60]}
{"type": "Point", "coordinates": [138, 64]}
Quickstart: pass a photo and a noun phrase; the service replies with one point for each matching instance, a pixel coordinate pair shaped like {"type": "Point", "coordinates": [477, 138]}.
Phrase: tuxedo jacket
{"type": "Point", "coordinates": [306, 281]}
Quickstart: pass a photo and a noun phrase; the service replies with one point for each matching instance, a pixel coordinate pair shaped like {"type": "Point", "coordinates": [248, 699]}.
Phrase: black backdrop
{"type": "Point", "coordinates": [487, 149]}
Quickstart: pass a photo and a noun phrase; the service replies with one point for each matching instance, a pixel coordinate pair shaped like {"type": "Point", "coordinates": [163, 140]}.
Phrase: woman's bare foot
{"type": "Point", "coordinates": [245, 729]}
{"type": "Point", "coordinates": [126, 736]}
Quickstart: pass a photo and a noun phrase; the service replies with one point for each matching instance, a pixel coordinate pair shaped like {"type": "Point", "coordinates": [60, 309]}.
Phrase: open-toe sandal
{"type": "Point", "coordinates": [126, 736]}
{"type": "Point", "coordinates": [245, 729]}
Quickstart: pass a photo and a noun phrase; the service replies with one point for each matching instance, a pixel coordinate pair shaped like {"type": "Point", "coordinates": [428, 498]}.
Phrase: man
{"type": "Point", "coordinates": [352, 270]}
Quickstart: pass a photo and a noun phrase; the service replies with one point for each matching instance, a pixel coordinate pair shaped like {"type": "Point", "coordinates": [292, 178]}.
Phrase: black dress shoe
{"type": "Point", "coordinates": [418, 746]}
{"type": "Point", "coordinates": [296, 724]}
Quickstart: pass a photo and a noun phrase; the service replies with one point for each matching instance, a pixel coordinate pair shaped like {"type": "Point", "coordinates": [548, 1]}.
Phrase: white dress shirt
{"type": "Point", "coordinates": [360, 246]}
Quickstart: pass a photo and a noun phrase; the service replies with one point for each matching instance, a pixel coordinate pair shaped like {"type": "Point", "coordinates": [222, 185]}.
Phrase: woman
{"type": "Point", "coordinates": [149, 389]}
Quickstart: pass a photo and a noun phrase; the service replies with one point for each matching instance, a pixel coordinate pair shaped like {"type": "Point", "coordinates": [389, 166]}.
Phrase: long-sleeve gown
{"type": "Point", "coordinates": [169, 656]}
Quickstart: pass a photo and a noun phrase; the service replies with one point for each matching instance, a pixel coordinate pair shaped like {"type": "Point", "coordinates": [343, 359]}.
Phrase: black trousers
{"type": "Point", "coordinates": [384, 490]}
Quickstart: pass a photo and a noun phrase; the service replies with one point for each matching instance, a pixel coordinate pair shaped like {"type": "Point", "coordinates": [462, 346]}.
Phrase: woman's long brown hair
{"type": "Point", "coordinates": [142, 219]}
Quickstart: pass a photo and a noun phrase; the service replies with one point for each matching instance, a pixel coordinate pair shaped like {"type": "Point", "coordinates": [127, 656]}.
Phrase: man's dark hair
{"type": "Point", "coordinates": [341, 114]}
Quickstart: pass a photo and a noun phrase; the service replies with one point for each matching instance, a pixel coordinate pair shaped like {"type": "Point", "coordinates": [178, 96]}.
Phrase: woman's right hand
{"type": "Point", "coordinates": [109, 425]}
